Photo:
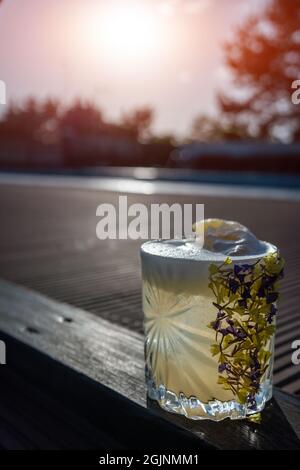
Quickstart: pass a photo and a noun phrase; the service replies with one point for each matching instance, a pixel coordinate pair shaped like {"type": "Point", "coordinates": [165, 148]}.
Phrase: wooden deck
{"type": "Point", "coordinates": [48, 243]}
{"type": "Point", "coordinates": [76, 381]}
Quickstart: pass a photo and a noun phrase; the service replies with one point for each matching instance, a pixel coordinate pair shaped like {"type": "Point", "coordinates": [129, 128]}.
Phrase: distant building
{"type": "Point", "coordinates": [20, 153]}
{"type": "Point", "coordinates": [106, 148]}
{"type": "Point", "coordinates": [239, 156]}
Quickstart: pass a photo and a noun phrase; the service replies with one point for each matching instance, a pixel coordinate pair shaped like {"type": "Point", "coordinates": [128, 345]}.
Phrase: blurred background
{"type": "Point", "coordinates": [198, 85]}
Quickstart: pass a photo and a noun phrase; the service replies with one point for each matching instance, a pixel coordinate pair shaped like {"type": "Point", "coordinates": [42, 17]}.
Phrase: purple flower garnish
{"type": "Point", "coordinates": [241, 270]}
{"type": "Point", "coordinates": [233, 285]}
{"type": "Point", "coordinates": [231, 330]}
{"type": "Point", "coordinates": [271, 297]}
{"type": "Point", "coordinates": [215, 324]}
{"type": "Point", "coordinates": [243, 303]}
{"type": "Point", "coordinates": [225, 331]}
{"type": "Point", "coordinates": [261, 292]}
{"type": "Point", "coordinates": [268, 281]}
{"type": "Point", "coordinates": [222, 367]}
{"type": "Point", "coordinates": [271, 314]}
{"type": "Point", "coordinates": [241, 334]}
{"type": "Point", "coordinates": [246, 267]}
{"type": "Point", "coordinates": [243, 299]}
{"type": "Point", "coordinates": [238, 272]}
{"type": "Point", "coordinates": [246, 294]}
{"type": "Point", "coordinates": [255, 375]}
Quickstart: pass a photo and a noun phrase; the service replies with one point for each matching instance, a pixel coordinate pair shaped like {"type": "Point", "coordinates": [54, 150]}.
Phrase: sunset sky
{"type": "Point", "coordinates": [120, 54]}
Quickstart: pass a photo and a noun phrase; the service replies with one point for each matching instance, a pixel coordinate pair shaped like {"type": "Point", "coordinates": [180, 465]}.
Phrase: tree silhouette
{"type": "Point", "coordinates": [138, 122]}
{"type": "Point", "coordinates": [209, 129]}
{"type": "Point", "coordinates": [82, 119]}
{"type": "Point", "coordinates": [264, 60]}
{"type": "Point", "coordinates": [30, 121]}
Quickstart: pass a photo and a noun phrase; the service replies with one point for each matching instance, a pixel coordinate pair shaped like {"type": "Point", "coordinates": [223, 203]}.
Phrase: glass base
{"type": "Point", "coordinates": [214, 410]}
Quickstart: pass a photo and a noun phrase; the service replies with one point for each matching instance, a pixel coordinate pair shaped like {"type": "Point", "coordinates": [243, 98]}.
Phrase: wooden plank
{"type": "Point", "coordinates": [94, 370]}
{"type": "Point", "coordinates": [290, 404]}
{"type": "Point", "coordinates": [103, 277]}
{"type": "Point", "coordinates": [106, 352]}
{"type": "Point", "coordinates": [42, 367]}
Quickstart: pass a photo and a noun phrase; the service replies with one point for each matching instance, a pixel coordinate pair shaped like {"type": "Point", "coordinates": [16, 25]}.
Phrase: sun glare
{"type": "Point", "coordinates": [128, 30]}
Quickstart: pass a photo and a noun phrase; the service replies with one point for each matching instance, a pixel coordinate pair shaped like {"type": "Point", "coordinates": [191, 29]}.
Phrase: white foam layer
{"type": "Point", "coordinates": [182, 265]}
{"type": "Point", "coordinates": [189, 250]}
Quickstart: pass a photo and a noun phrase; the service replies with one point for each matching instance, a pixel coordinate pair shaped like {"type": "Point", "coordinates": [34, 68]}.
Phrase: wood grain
{"type": "Point", "coordinates": [48, 243]}
{"type": "Point", "coordinates": [83, 369]}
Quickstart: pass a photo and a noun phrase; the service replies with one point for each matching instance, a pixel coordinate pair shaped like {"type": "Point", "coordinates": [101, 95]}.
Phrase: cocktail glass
{"type": "Point", "coordinates": [209, 324]}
